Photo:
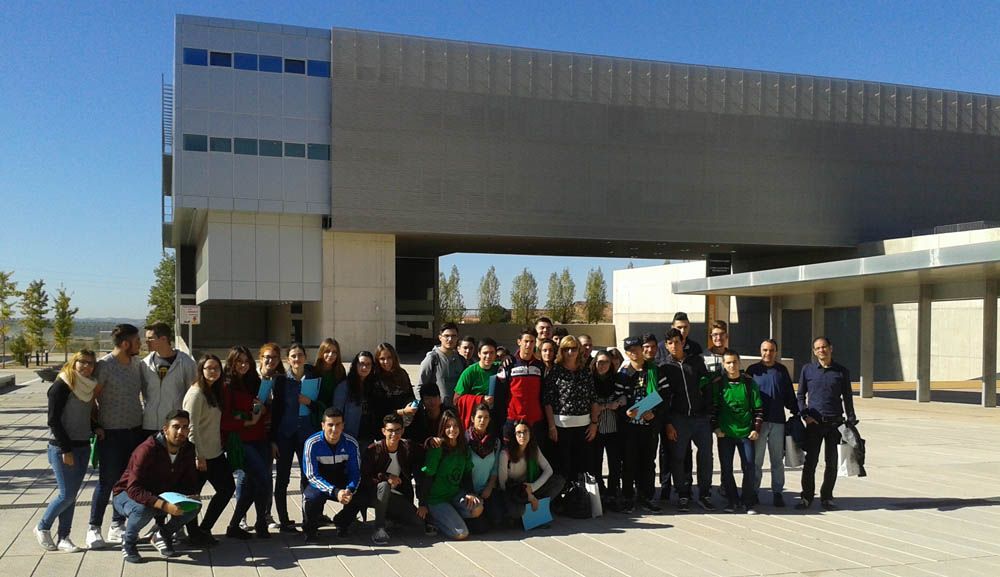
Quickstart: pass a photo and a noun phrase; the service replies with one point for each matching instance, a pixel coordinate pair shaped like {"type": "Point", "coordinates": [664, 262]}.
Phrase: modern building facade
{"type": "Point", "coordinates": [314, 176]}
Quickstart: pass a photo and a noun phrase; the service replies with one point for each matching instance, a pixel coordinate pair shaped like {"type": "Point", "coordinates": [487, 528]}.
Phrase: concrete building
{"type": "Point", "coordinates": [313, 176]}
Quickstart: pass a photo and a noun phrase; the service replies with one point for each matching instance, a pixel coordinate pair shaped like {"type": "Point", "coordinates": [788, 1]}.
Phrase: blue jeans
{"type": "Point", "coordinates": [253, 482]}
{"type": "Point", "coordinates": [113, 453]}
{"type": "Point", "coordinates": [772, 439]}
{"type": "Point", "coordinates": [699, 431]}
{"type": "Point", "coordinates": [728, 446]}
{"type": "Point", "coordinates": [69, 480]}
{"type": "Point", "coordinates": [138, 516]}
{"type": "Point", "coordinates": [449, 518]}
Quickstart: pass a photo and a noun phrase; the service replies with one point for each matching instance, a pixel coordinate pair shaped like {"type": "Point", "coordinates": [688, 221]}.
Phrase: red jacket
{"type": "Point", "coordinates": [150, 472]}
{"type": "Point", "coordinates": [235, 401]}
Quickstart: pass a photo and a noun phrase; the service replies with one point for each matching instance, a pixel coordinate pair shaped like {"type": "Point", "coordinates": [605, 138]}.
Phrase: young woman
{"type": "Point", "coordinates": [289, 429]}
{"type": "Point", "coordinates": [608, 439]}
{"type": "Point", "coordinates": [445, 495]}
{"type": "Point", "coordinates": [547, 350]}
{"type": "Point", "coordinates": [245, 416]}
{"type": "Point", "coordinates": [329, 367]}
{"type": "Point", "coordinates": [203, 402]}
{"type": "Point", "coordinates": [71, 404]}
{"type": "Point", "coordinates": [484, 449]}
{"type": "Point", "coordinates": [571, 409]}
{"type": "Point", "coordinates": [524, 473]}
{"type": "Point", "coordinates": [392, 391]}
{"type": "Point", "coordinates": [350, 397]}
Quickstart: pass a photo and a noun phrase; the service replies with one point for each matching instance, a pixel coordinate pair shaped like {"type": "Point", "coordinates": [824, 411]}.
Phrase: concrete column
{"type": "Point", "coordinates": [776, 318]}
{"type": "Point", "coordinates": [818, 317]}
{"type": "Point", "coordinates": [990, 345]}
{"type": "Point", "coordinates": [868, 344]}
{"type": "Point", "coordinates": [924, 345]}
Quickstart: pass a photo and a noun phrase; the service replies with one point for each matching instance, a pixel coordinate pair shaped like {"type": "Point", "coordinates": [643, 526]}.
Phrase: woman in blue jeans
{"type": "Point", "coordinates": [289, 429]}
{"type": "Point", "coordinates": [71, 404]}
{"type": "Point", "coordinates": [446, 496]}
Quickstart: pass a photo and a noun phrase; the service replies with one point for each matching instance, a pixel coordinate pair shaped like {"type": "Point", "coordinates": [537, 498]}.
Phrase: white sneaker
{"type": "Point", "coordinates": [94, 539]}
{"type": "Point", "coordinates": [115, 534]}
{"type": "Point", "coordinates": [45, 539]}
{"type": "Point", "coordinates": [67, 546]}
{"type": "Point", "coordinates": [156, 540]}
{"type": "Point", "coordinates": [381, 537]}
{"type": "Point", "coordinates": [244, 526]}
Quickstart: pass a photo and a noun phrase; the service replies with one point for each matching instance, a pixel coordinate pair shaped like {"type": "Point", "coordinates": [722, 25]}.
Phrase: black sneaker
{"type": "Point", "coordinates": [779, 500]}
{"type": "Point", "coordinates": [683, 505]}
{"type": "Point", "coordinates": [627, 506]}
{"type": "Point", "coordinates": [287, 527]}
{"type": "Point", "coordinates": [828, 505]}
{"type": "Point", "coordinates": [130, 552]}
{"type": "Point", "coordinates": [729, 508]}
{"type": "Point", "coordinates": [311, 538]}
{"type": "Point", "coordinates": [430, 530]}
{"type": "Point", "coordinates": [262, 531]}
{"type": "Point", "coordinates": [234, 532]}
{"type": "Point", "coordinates": [325, 520]}
{"type": "Point", "coordinates": [164, 544]}
{"type": "Point", "coordinates": [342, 531]}
{"type": "Point", "coordinates": [706, 503]}
{"type": "Point", "coordinates": [649, 506]}
{"type": "Point", "coordinates": [803, 504]}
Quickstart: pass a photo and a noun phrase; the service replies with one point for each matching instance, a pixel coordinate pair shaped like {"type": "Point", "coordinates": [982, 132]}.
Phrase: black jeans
{"type": "Point", "coordinates": [820, 433]}
{"type": "Point", "coordinates": [571, 452]}
{"type": "Point", "coordinates": [610, 444]}
{"type": "Point", "coordinates": [666, 475]}
{"type": "Point", "coordinates": [287, 447]}
{"type": "Point", "coordinates": [640, 460]}
{"type": "Point", "coordinates": [255, 483]}
{"type": "Point", "coordinates": [220, 475]}
{"type": "Point", "coordinates": [113, 454]}
{"type": "Point", "coordinates": [313, 501]}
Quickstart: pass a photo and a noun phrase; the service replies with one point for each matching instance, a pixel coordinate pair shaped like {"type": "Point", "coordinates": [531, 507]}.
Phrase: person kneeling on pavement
{"type": "Point", "coordinates": [162, 463]}
{"type": "Point", "coordinates": [332, 466]}
{"type": "Point", "coordinates": [387, 472]}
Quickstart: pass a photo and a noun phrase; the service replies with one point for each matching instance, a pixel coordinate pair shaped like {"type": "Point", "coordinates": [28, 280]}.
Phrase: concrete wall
{"type": "Point", "coordinates": [603, 335]}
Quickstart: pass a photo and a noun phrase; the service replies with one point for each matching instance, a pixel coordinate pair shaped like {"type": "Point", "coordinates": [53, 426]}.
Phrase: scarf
{"type": "Point", "coordinates": [651, 377]}
{"type": "Point", "coordinates": [481, 445]}
{"type": "Point", "coordinates": [83, 387]}
{"type": "Point", "coordinates": [604, 385]}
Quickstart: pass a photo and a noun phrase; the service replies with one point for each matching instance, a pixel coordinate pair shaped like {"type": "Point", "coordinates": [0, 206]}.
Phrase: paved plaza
{"type": "Point", "coordinates": [927, 507]}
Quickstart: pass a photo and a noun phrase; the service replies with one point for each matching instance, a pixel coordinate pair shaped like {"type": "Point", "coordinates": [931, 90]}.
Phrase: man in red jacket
{"type": "Point", "coordinates": [160, 464]}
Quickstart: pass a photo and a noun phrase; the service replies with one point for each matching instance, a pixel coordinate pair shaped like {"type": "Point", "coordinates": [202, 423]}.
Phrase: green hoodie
{"type": "Point", "coordinates": [739, 406]}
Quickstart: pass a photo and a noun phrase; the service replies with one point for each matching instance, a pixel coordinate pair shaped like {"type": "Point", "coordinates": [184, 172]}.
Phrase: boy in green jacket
{"type": "Point", "coordinates": [737, 421]}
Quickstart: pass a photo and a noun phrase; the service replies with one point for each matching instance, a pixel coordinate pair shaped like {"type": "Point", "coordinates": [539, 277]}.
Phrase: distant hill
{"type": "Point", "coordinates": [86, 327]}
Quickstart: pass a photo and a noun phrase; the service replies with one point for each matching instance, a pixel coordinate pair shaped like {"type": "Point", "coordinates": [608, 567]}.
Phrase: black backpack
{"type": "Point", "coordinates": [575, 501]}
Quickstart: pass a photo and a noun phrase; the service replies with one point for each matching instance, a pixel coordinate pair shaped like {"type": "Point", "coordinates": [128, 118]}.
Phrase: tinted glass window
{"type": "Point", "coordinates": [319, 68]}
{"type": "Point", "coordinates": [245, 146]}
{"type": "Point", "coordinates": [196, 142]}
{"type": "Point", "coordinates": [270, 63]}
{"type": "Point", "coordinates": [221, 59]}
{"type": "Point", "coordinates": [196, 56]}
{"type": "Point", "coordinates": [216, 144]}
{"type": "Point", "coordinates": [270, 148]}
{"type": "Point", "coordinates": [319, 151]}
{"type": "Point", "coordinates": [295, 149]}
{"type": "Point", "coordinates": [243, 61]}
{"type": "Point", "coordinates": [293, 66]}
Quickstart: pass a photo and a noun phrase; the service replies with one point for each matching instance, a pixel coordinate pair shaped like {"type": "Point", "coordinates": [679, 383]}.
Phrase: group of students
{"type": "Point", "coordinates": [462, 450]}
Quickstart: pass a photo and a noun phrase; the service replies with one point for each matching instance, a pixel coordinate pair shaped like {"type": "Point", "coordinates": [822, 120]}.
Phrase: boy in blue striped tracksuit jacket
{"type": "Point", "coordinates": [332, 465]}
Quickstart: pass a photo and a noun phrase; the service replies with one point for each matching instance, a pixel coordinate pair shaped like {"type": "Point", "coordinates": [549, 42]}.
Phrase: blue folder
{"type": "Point", "coordinates": [532, 519]}
{"type": "Point", "coordinates": [648, 403]}
{"type": "Point", "coordinates": [310, 388]}
{"type": "Point", "coordinates": [265, 390]}
{"type": "Point", "coordinates": [184, 502]}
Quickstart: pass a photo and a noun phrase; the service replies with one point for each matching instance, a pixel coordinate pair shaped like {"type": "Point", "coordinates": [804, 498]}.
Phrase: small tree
{"type": "Point", "coordinates": [523, 297]}
{"type": "Point", "coordinates": [19, 349]}
{"type": "Point", "coordinates": [161, 293]}
{"type": "Point", "coordinates": [8, 294]}
{"type": "Point", "coordinates": [490, 311]}
{"type": "Point", "coordinates": [562, 295]}
{"type": "Point", "coordinates": [451, 307]}
{"type": "Point", "coordinates": [34, 307]}
{"type": "Point", "coordinates": [596, 297]}
{"type": "Point", "coordinates": [62, 325]}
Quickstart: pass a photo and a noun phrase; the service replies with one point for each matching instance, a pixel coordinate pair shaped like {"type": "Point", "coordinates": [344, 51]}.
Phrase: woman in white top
{"type": "Point", "coordinates": [525, 475]}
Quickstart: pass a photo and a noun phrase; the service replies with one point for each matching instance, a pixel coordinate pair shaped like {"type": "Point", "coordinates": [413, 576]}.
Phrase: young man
{"type": "Point", "coordinates": [649, 346]}
{"type": "Point", "coordinates": [586, 348]}
{"type": "Point", "coordinates": [162, 463]}
{"type": "Point", "coordinates": [824, 396]}
{"type": "Point", "coordinates": [467, 348]}
{"type": "Point", "coordinates": [737, 422]}
{"type": "Point", "coordinates": [332, 466]}
{"type": "Point", "coordinates": [387, 469]}
{"type": "Point", "coordinates": [688, 414]}
{"type": "Point", "coordinates": [474, 385]}
{"type": "Point", "coordinates": [719, 336]}
{"type": "Point", "coordinates": [776, 395]}
{"type": "Point", "coordinates": [691, 348]}
{"type": "Point", "coordinates": [425, 422]}
{"type": "Point", "coordinates": [519, 390]}
{"type": "Point", "coordinates": [119, 376]}
{"type": "Point", "coordinates": [442, 365]}
{"type": "Point", "coordinates": [167, 374]}
{"type": "Point", "coordinates": [543, 329]}
{"type": "Point", "coordinates": [635, 380]}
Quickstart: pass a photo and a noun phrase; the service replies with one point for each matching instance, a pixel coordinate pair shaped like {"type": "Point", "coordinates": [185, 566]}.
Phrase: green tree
{"type": "Point", "coordinates": [596, 296]}
{"type": "Point", "coordinates": [562, 295]}
{"type": "Point", "coordinates": [161, 294]}
{"type": "Point", "coordinates": [19, 349]}
{"type": "Point", "coordinates": [490, 311]}
{"type": "Point", "coordinates": [34, 307]}
{"type": "Point", "coordinates": [451, 307]}
{"type": "Point", "coordinates": [524, 297]}
{"type": "Point", "coordinates": [62, 324]}
{"type": "Point", "coordinates": [8, 295]}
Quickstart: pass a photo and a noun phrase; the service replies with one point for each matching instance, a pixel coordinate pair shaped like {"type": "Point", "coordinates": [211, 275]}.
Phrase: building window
{"type": "Point", "coordinates": [270, 148]}
{"type": "Point", "coordinates": [196, 142]}
{"type": "Point", "coordinates": [242, 61]}
{"type": "Point", "coordinates": [319, 151]}
{"type": "Point", "coordinates": [245, 146]}
{"type": "Point", "coordinates": [196, 57]}
{"type": "Point", "coordinates": [319, 68]}
{"type": "Point", "coordinates": [216, 144]}
{"type": "Point", "coordinates": [270, 63]}
{"type": "Point", "coordinates": [295, 149]}
{"type": "Point", "coordinates": [293, 66]}
{"type": "Point", "coordinates": [220, 59]}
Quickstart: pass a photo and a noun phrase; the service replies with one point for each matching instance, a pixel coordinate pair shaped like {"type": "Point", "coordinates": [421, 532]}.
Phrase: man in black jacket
{"type": "Point", "coordinates": [387, 469]}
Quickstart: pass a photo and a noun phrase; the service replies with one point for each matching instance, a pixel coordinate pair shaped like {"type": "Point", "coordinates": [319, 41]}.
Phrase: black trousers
{"type": "Point", "coordinates": [609, 444]}
{"type": "Point", "coordinates": [817, 434]}
{"type": "Point", "coordinates": [220, 475]}
{"type": "Point", "coordinates": [640, 460]}
{"type": "Point", "coordinates": [666, 475]}
{"type": "Point", "coordinates": [571, 453]}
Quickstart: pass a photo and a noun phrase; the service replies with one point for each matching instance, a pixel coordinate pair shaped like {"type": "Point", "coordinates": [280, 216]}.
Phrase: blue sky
{"type": "Point", "coordinates": [80, 102]}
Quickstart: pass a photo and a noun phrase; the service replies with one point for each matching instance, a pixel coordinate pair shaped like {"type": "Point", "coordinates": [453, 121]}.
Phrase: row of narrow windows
{"type": "Point", "coordinates": [260, 62]}
{"type": "Point", "coordinates": [255, 147]}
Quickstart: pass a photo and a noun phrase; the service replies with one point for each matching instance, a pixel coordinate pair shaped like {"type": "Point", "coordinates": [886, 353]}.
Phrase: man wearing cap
{"type": "Point", "coordinates": [635, 380]}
